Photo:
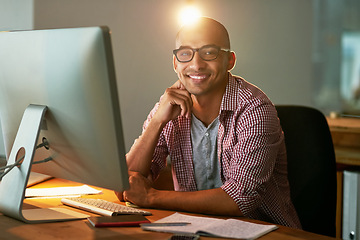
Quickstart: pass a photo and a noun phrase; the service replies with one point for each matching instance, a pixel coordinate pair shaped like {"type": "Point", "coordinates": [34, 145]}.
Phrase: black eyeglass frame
{"type": "Point", "coordinates": [197, 50]}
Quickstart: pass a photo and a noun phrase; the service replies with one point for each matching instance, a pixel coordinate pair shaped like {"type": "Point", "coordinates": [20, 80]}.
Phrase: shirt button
{"type": "Point", "coordinates": [207, 134]}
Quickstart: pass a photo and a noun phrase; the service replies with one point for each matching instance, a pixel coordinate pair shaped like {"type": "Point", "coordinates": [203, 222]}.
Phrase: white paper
{"type": "Point", "coordinates": [237, 229]}
{"type": "Point", "coordinates": [229, 228]}
{"type": "Point", "coordinates": [61, 191]}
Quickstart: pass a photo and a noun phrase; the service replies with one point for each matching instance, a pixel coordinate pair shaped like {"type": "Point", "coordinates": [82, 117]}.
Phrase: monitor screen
{"type": "Point", "coordinates": [71, 72]}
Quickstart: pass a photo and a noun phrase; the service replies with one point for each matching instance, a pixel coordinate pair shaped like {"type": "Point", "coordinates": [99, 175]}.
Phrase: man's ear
{"type": "Point", "coordinates": [175, 64]}
{"type": "Point", "coordinates": [232, 61]}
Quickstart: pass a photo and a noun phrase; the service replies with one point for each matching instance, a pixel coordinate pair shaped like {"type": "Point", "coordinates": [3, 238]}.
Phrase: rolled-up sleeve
{"type": "Point", "coordinates": [249, 155]}
{"type": "Point", "coordinates": [161, 150]}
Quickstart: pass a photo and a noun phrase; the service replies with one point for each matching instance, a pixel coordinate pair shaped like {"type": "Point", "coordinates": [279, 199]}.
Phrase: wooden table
{"type": "Point", "coordinates": [81, 229]}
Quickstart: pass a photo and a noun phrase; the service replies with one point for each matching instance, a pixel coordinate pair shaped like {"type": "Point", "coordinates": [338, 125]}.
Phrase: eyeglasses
{"type": "Point", "coordinates": [207, 53]}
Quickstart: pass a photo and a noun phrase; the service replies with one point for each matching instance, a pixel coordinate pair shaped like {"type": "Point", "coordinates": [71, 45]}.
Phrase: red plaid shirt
{"type": "Point", "coordinates": [251, 151]}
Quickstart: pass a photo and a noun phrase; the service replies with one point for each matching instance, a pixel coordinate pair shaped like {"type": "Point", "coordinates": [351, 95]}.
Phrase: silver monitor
{"type": "Point", "coordinates": [58, 86]}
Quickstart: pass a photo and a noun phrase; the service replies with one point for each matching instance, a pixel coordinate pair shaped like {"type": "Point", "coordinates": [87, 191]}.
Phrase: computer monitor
{"type": "Point", "coordinates": [59, 86]}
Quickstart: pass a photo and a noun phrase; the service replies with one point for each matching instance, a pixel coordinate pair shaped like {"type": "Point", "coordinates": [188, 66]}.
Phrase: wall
{"type": "Point", "coordinates": [272, 40]}
{"type": "Point", "coordinates": [16, 15]}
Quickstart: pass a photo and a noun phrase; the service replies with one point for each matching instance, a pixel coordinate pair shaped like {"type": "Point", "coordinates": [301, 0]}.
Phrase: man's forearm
{"type": "Point", "coordinates": [213, 201]}
{"type": "Point", "coordinates": [174, 102]}
{"type": "Point", "coordinates": [141, 153]}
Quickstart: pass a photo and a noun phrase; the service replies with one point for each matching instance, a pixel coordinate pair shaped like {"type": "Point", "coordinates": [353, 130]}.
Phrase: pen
{"type": "Point", "coordinates": [165, 224]}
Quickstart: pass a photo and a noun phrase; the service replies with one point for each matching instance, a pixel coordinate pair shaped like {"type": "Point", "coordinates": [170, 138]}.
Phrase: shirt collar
{"type": "Point", "coordinates": [230, 98]}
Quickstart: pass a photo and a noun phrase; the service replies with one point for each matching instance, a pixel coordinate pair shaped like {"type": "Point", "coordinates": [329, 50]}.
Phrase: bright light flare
{"type": "Point", "coordinates": [189, 15]}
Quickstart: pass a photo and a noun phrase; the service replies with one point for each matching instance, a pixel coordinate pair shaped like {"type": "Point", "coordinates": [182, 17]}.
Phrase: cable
{"type": "Point", "coordinates": [43, 161]}
{"type": "Point", "coordinates": [6, 169]}
{"type": "Point", "coordinates": [10, 167]}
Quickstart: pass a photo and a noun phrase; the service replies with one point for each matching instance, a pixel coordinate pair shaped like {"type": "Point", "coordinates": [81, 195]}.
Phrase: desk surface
{"type": "Point", "coordinates": [81, 229]}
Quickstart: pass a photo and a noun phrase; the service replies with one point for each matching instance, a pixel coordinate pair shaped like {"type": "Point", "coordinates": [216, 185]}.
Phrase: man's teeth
{"type": "Point", "coordinates": [197, 76]}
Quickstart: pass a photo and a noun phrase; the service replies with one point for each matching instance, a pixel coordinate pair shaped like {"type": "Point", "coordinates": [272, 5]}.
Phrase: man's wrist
{"type": "Point", "coordinates": [157, 124]}
{"type": "Point", "coordinates": [151, 197]}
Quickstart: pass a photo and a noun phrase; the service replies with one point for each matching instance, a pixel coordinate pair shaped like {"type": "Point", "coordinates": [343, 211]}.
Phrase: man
{"type": "Point", "coordinates": [222, 135]}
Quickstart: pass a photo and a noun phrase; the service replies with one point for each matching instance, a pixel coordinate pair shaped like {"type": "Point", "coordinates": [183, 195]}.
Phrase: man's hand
{"type": "Point", "coordinates": [175, 101]}
{"type": "Point", "coordinates": [139, 192]}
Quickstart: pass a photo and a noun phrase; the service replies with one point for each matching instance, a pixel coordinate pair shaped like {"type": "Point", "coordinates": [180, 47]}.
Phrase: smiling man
{"type": "Point", "coordinates": [221, 133]}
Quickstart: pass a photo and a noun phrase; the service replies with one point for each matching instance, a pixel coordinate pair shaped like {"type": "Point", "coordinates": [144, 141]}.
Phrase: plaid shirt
{"type": "Point", "coordinates": [251, 151]}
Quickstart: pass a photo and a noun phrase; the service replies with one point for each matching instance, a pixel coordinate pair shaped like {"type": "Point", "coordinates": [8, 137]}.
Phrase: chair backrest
{"type": "Point", "coordinates": [311, 167]}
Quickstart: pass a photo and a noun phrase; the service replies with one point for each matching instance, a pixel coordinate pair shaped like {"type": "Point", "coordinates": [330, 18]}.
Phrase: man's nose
{"type": "Point", "coordinates": [197, 62]}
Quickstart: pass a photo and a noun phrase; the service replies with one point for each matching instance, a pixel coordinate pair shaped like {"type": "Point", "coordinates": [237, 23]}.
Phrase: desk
{"type": "Point", "coordinates": [81, 229]}
{"type": "Point", "coordinates": [345, 134]}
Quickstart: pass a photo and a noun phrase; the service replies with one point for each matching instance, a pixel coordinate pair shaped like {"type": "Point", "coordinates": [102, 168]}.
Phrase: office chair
{"type": "Point", "coordinates": [311, 167]}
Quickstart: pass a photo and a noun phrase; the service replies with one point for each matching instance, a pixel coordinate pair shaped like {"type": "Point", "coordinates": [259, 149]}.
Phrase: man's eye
{"type": "Point", "coordinates": [186, 53]}
{"type": "Point", "coordinates": [209, 51]}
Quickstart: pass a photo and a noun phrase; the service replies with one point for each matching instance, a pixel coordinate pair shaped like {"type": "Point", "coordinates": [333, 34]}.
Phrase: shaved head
{"type": "Point", "coordinates": [207, 27]}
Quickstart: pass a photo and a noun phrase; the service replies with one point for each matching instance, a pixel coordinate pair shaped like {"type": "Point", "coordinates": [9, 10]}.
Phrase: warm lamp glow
{"type": "Point", "coordinates": [189, 15]}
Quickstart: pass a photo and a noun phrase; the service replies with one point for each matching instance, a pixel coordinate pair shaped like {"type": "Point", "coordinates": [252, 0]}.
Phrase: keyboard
{"type": "Point", "coordinates": [101, 206]}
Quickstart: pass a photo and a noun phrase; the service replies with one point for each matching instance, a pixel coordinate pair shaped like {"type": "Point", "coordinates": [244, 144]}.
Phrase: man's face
{"type": "Point", "coordinates": [202, 77]}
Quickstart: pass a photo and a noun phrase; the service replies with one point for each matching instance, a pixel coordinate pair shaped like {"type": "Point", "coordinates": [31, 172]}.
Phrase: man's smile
{"type": "Point", "coordinates": [198, 76]}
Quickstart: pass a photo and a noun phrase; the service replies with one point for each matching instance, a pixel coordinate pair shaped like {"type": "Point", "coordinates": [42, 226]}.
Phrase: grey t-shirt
{"type": "Point", "coordinates": [204, 147]}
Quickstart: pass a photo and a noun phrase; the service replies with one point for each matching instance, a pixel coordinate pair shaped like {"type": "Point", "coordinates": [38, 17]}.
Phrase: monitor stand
{"type": "Point", "coordinates": [13, 185]}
